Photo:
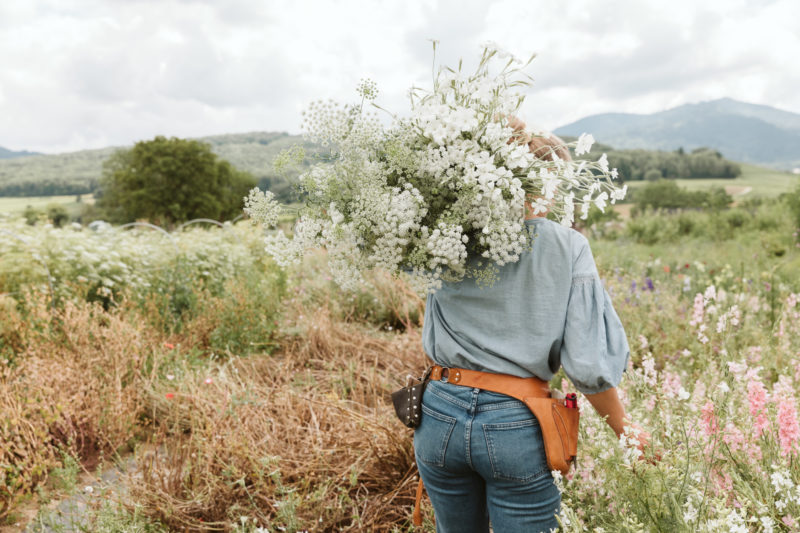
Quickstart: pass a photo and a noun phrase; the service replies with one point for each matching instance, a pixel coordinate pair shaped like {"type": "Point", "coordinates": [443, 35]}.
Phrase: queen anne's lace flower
{"type": "Point", "coordinates": [446, 183]}
{"type": "Point", "coordinates": [262, 207]}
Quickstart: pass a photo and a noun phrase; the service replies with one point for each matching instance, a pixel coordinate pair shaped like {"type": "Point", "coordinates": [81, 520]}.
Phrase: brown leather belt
{"type": "Point", "coordinates": [516, 387]}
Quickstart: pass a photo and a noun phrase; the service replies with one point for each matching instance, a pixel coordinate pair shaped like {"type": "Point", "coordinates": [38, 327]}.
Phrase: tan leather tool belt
{"type": "Point", "coordinates": [558, 422]}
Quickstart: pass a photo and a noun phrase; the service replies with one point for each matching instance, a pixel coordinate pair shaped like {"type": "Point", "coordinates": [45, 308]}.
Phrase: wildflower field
{"type": "Point", "coordinates": [263, 396]}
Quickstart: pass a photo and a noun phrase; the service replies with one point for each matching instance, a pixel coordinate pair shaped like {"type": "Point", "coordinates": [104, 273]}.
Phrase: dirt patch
{"type": "Point", "coordinates": [737, 190]}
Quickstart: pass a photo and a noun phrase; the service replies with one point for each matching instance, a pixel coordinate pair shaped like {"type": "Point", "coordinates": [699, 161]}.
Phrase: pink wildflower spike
{"type": "Point", "coordinates": [788, 427]}
{"type": "Point", "coordinates": [708, 419]}
{"type": "Point", "coordinates": [734, 438]}
{"type": "Point", "coordinates": [758, 398]}
{"type": "Point", "coordinates": [698, 310]}
{"type": "Point", "coordinates": [671, 384]}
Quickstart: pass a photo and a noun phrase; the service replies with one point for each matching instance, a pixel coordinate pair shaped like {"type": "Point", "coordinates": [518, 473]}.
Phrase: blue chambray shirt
{"type": "Point", "coordinates": [545, 311]}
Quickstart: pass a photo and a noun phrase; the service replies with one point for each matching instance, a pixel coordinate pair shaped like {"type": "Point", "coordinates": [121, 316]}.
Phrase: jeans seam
{"type": "Point", "coordinates": [511, 404]}
{"type": "Point", "coordinates": [513, 425]}
{"type": "Point", "coordinates": [468, 427]}
{"type": "Point", "coordinates": [449, 398]}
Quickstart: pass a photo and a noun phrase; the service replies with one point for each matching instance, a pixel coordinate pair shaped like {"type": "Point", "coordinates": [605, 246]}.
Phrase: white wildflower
{"type": "Point", "coordinates": [410, 198]}
{"type": "Point", "coordinates": [603, 162]}
{"type": "Point", "coordinates": [262, 207]}
{"type": "Point", "coordinates": [585, 142]}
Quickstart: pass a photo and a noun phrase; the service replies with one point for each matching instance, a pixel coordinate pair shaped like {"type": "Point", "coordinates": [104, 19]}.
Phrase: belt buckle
{"type": "Point", "coordinates": [450, 377]}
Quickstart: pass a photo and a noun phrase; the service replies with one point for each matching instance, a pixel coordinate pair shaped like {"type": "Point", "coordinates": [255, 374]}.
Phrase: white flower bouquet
{"type": "Point", "coordinates": [437, 195]}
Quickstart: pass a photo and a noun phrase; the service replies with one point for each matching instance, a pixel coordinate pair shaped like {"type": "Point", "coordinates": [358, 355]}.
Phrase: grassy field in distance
{"type": "Point", "coordinates": [754, 181]}
{"type": "Point", "coordinates": [17, 204]}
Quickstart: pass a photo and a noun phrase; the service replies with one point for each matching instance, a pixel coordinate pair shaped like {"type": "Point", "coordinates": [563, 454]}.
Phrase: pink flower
{"type": "Point", "coordinates": [789, 521]}
{"type": "Point", "coordinates": [788, 427]}
{"type": "Point", "coordinates": [723, 484]}
{"type": "Point", "coordinates": [708, 419]}
{"type": "Point", "coordinates": [169, 395]}
{"type": "Point", "coordinates": [671, 384]}
{"type": "Point", "coordinates": [757, 396]}
{"type": "Point", "coordinates": [733, 437]}
{"type": "Point", "coordinates": [208, 381]}
{"type": "Point", "coordinates": [698, 394]}
{"type": "Point", "coordinates": [754, 354]}
{"type": "Point", "coordinates": [649, 372]}
{"type": "Point", "coordinates": [697, 310]}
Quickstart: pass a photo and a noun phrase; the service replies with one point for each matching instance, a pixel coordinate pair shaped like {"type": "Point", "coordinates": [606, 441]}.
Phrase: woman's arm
{"type": "Point", "coordinates": [608, 405]}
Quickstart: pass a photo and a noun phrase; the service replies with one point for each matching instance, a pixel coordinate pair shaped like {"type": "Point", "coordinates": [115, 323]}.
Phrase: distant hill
{"type": "Point", "coordinates": [740, 131]}
{"type": "Point", "coordinates": [5, 153]}
{"type": "Point", "coordinates": [79, 172]}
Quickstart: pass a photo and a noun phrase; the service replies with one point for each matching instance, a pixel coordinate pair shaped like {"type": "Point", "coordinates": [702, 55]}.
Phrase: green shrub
{"type": "Point", "coordinates": [653, 174]}
{"type": "Point", "coordinates": [32, 215]}
{"type": "Point", "coordinates": [736, 218]}
{"type": "Point", "coordinates": [246, 316]}
{"type": "Point", "coordinates": [57, 214]}
{"type": "Point", "coordinates": [666, 194]}
{"type": "Point", "coordinates": [793, 201]}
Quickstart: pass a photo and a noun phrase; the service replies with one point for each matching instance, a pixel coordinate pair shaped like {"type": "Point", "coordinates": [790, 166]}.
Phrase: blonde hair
{"type": "Point", "coordinates": [542, 146]}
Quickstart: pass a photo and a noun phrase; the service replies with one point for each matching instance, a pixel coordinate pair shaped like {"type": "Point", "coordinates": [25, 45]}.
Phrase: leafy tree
{"type": "Point", "coordinates": [169, 181]}
{"type": "Point", "coordinates": [650, 165]}
{"type": "Point", "coordinates": [652, 174]}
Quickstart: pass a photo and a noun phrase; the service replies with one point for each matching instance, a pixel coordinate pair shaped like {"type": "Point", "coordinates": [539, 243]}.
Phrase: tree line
{"type": "Point", "coordinates": [652, 165]}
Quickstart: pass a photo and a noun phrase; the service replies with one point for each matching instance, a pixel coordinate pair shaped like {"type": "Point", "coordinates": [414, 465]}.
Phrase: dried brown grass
{"type": "Point", "coordinates": [73, 386]}
{"type": "Point", "coordinates": [303, 439]}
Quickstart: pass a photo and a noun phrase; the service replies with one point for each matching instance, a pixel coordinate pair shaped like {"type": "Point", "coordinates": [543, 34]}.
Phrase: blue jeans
{"type": "Point", "coordinates": [481, 457]}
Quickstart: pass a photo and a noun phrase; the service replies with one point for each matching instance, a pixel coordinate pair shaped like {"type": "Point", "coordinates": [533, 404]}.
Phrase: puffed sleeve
{"type": "Point", "coordinates": [594, 351]}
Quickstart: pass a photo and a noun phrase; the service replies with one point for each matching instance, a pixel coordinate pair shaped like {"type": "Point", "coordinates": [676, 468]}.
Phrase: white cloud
{"type": "Point", "coordinates": [90, 73]}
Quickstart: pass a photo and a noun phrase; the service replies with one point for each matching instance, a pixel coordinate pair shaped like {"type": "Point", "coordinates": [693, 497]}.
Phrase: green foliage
{"type": "Point", "coordinates": [57, 214]}
{"type": "Point", "coordinates": [246, 315]}
{"type": "Point", "coordinates": [65, 477]}
{"type": "Point", "coordinates": [107, 516]}
{"type": "Point", "coordinates": [651, 165]}
{"type": "Point", "coordinates": [793, 201]}
{"type": "Point", "coordinates": [666, 194]}
{"type": "Point", "coordinates": [749, 222]}
{"type": "Point", "coordinates": [168, 181]}
{"type": "Point", "coordinates": [11, 322]}
{"type": "Point", "coordinates": [653, 174]}
{"type": "Point", "coordinates": [174, 294]}
{"type": "Point", "coordinates": [32, 215]}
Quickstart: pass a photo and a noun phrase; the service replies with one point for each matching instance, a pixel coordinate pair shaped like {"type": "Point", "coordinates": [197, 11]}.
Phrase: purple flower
{"type": "Point", "coordinates": [649, 283]}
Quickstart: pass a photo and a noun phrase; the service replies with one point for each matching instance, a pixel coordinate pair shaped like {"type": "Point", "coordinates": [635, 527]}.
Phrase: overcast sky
{"type": "Point", "coordinates": [80, 74]}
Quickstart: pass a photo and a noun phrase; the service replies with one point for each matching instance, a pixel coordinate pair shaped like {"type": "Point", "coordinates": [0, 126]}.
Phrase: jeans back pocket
{"type": "Point", "coordinates": [432, 435]}
{"type": "Point", "coordinates": [516, 450]}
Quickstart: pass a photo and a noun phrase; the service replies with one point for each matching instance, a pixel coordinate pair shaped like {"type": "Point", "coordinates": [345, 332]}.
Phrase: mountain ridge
{"type": "Point", "coordinates": [5, 153]}
{"type": "Point", "coordinates": [751, 133]}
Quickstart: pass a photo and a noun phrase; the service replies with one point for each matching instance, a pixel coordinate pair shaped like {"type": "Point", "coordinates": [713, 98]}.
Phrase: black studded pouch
{"type": "Point", "coordinates": [408, 400]}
